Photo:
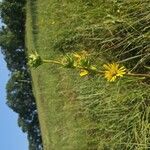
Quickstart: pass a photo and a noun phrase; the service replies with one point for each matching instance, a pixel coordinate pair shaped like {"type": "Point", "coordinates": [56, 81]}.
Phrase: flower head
{"type": "Point", "coordinates": [80, 57]}
{"type": "Point", "coordinates": [34, 60]}
{"type": "Point", "coordinates": [112, 71]}
{"type": "Point", "coordinates": [83, 62]}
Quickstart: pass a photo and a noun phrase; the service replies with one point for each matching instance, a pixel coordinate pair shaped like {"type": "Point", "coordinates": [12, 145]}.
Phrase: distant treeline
{"type": "Point", "coordinates": [20, 97]}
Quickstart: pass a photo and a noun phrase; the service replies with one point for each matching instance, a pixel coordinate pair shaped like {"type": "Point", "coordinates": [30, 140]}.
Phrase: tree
{"type": "Point", "coordinates": [13, 50]}
{"type": "Point", "coordinates": [13, 15]}
{"type": "Point", "coordinates": [20, 97]}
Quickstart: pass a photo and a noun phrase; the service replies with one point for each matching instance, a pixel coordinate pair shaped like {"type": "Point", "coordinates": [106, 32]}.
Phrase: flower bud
{"type": "Point", "coordinates": [34, 60]}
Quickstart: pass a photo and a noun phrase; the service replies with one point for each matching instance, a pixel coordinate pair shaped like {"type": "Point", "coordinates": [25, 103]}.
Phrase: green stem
{"type": "Point", "coordinates": [138, 75]}
{"type": "Point", "coordinates": [88, 69]}
{"type": "Point", "coordinates": [52, 62]}
{"type": "Point", "coordinates": [100, 72]}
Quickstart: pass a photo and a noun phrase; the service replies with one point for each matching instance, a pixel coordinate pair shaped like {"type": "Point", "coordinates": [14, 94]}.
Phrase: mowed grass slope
{"type": "Point", "coordinates": [89, 113]}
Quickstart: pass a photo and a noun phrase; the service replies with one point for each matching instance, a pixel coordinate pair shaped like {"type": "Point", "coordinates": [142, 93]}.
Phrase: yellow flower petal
{"type": "Point", "coordinates": [112, 71]}
{"type": "Point", "coordinates": [107, 67]}
{"type": "Point", "coordinates": [83, 73]}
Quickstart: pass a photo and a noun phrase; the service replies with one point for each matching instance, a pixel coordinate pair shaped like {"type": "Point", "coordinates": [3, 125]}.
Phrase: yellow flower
{"type": "Point", "coordinates": [80, 56]}
{"type": "Point", "coordinates": [81, 59]}
{"type": "Point", "coordinates": [83, 72]}
{"type": "Point", "coordinates": [112, 71]}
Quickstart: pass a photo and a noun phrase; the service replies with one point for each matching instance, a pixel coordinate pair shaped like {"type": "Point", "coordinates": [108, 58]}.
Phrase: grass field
{"type": "Point", "coordinates": [88, 113]}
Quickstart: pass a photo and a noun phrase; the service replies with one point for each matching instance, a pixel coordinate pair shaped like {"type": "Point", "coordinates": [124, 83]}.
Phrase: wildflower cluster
{"type": "Point", "coordinates": [82, 62]}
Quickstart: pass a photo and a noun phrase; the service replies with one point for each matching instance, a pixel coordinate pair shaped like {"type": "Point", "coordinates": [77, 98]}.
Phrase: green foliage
{"type": "Point", "coordinates": [13, 15]}
{"type": "Point", "coordinates": [10, 44]}
{"type": "Point", "coordinates": [68, 61]}
{"type": "Point", "coordinates": [81, 114]}
{"type": "Point", "coordinates": [116, 28]}
{"type": "Point", "coordinates": [21, 100]}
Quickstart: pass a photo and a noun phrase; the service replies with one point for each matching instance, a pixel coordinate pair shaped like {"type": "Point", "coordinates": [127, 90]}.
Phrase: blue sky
{"type": "Point", "coordinates": [11, 136]}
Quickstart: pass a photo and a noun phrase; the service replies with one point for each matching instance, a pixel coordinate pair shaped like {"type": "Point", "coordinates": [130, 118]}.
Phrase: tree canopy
{"type": "Point", "coordinates": [20, 97]}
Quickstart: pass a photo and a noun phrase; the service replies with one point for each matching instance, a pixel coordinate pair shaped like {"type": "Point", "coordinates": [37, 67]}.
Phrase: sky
{"type": "Point", "coordinates": [11, 136]}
